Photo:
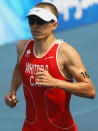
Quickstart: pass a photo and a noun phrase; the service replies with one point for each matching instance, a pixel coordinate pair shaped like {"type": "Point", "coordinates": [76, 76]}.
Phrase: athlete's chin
{"type": "Point", "coordinates": [38, 37]}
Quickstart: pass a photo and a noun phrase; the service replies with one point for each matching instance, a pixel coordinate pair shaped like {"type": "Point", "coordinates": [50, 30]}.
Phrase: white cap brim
{"type": "Point", "coordinates": [44, 14]}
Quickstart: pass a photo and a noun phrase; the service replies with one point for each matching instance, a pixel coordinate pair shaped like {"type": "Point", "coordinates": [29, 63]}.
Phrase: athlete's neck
{"type": "Point", "coordinates": [42, 45]}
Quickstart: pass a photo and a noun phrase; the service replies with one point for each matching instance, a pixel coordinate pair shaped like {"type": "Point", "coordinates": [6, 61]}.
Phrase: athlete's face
{"type": "Point", "coordinates": [39, 28]}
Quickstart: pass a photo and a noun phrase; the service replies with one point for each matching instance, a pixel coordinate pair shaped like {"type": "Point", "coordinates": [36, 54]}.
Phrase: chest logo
{"type": "Point", "coordinates": [50, 57]}
{"type": "Point", "coordinates": [28, 52]}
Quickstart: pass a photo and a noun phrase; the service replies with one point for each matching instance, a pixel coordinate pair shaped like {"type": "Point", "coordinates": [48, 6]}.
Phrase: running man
{"type": "Point", "coordinates": [46, 67]}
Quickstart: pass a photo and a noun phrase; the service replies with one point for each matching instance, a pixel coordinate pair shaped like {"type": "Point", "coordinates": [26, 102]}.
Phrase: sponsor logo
{"type": "Point", "coordinates": [28, 53]}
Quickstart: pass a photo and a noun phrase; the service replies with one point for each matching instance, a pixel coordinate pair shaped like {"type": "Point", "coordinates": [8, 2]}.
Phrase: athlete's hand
{"type": "Point", "coordinates": [43, 78]}
{"type": "Point", "coordinates": [10, 99]}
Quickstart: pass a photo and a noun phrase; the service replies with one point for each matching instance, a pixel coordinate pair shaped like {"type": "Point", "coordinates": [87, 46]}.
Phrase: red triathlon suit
{"type": "Point", "coordinates": [47, 108]}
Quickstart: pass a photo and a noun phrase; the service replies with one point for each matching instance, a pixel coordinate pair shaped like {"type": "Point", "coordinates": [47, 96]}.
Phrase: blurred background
{"type": "Point", "coordinates": [78, 25]}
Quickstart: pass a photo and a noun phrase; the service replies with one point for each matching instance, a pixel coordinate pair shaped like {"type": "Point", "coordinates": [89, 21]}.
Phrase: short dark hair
{"type": "Point", "coordinates": [50, 6]}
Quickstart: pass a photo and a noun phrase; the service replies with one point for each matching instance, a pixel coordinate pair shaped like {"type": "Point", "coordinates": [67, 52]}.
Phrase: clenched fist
{"type": "Point", "coordinates": [10, 99]}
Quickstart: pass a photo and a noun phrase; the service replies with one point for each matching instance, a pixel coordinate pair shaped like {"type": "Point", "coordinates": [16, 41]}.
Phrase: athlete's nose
{"type": "Point", "coordinates": [34, 24]}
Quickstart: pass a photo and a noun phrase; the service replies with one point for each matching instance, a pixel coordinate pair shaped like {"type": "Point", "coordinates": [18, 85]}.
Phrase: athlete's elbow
{"type": "Point", "coordinates": [92, 93]}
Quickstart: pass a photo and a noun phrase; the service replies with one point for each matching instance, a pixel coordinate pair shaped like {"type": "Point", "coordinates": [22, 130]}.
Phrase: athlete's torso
{"type": "Point", "coordinates": [46, 107]}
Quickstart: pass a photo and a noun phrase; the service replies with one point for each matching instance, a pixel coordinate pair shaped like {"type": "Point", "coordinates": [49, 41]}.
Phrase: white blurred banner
{"type": "Point", "coordinates": [72, 13]}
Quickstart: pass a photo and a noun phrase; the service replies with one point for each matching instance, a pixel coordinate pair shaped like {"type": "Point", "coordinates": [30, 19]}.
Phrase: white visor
{"type": "Point", "coordinates": [44, 14]}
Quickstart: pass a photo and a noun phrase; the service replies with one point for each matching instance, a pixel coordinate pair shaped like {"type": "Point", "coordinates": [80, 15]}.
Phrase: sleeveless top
{"type": "Point", "coordinates": [45, 105]}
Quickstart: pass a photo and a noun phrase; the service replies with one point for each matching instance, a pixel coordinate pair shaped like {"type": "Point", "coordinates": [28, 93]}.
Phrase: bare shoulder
{"type": "Point", "coordinates": [67, 49]}
{"type": "Point", "coordinates": [68, 52]}
{"type": "Point", "coordinates": [21, 44]}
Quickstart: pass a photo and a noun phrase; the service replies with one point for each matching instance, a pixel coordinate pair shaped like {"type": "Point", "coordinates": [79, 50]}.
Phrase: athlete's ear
{"type": "Point", "coordinates": [53, 26]}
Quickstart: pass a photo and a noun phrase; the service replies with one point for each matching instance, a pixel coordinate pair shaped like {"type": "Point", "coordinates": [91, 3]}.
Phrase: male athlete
{"type": "Point", "coordinates": [46, 66]}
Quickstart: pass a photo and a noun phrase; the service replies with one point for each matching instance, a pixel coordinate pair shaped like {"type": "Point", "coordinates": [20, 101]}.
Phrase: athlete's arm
{"type": "Point", "coordinates": [10, 98]}
{"type": "Point", "coordinates": [84, 86]}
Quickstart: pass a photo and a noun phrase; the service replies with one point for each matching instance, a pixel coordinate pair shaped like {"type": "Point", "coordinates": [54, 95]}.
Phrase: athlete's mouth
{"type": "Point", "coordinates": [35, 32]}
